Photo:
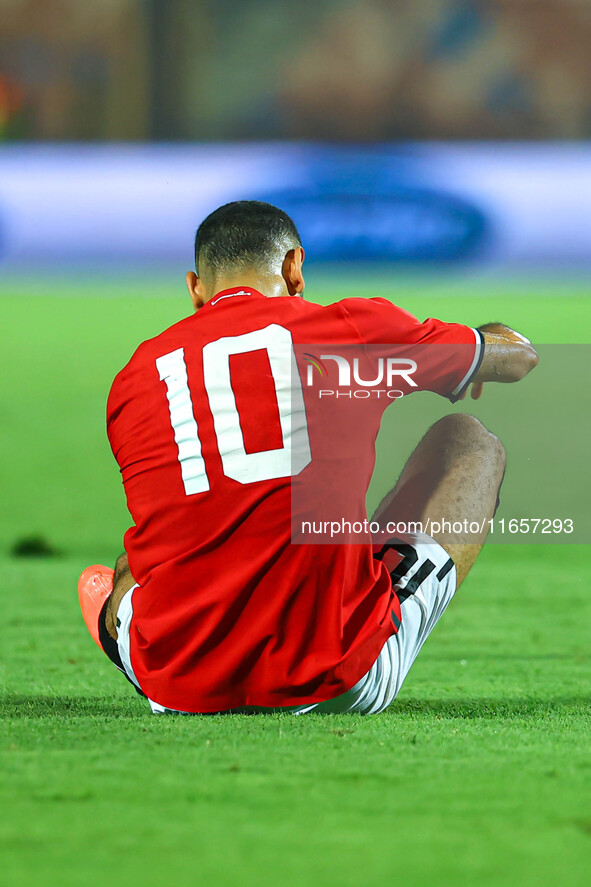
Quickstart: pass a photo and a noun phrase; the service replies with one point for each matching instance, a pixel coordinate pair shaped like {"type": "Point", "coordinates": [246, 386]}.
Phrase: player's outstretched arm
{"type": "Point", "coordinates": [508, 357]}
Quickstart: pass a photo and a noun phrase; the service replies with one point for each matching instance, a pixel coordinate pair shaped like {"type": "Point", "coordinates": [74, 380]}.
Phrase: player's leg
{"type": "Point", "coordinates": [452, 477]}
{"type": "Point", "coordinates": [122, 582]}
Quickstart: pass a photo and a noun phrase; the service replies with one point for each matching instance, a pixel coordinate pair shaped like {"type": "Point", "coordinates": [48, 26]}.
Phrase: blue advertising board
{"type": "Point", "coordinates": [416, 204]}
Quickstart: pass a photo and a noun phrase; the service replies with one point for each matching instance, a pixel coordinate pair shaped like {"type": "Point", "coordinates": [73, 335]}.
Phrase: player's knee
{"type": "Point", "coordinates": [489, 445]}
{"type": "Point", "coordinates": [466, 434]}
{"type": "Point", "coordinates": [497, 450]}
{"type": "Point", "coordinates": [486, 446]}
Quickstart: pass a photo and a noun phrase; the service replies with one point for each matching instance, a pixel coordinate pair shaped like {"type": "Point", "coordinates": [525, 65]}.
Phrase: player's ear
{"type": "Point", "coordinates": [196, 290]}
{"type": "Point", "coordinates": [292, 271]}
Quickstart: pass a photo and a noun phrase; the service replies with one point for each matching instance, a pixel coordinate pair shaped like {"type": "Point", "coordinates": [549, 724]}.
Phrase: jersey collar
{"type": "Point", "coordinates": [235, 291]}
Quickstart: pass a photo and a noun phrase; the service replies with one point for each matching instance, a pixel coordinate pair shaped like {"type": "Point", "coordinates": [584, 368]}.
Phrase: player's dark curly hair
{"type": "Point", "coordinates": [244, 234]}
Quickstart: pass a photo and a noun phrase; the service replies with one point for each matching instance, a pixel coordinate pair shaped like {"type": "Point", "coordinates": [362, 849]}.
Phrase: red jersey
{"type": "Point", "coordinates": [212, 423]}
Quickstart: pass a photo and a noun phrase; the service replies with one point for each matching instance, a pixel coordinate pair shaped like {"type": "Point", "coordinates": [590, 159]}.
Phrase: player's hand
{"type": "Point", "coordinates": [508, 356]}
{"type": "Point", "coordinates": [509, 335]}
{"type": "Point", "coordinates": [475, 391]}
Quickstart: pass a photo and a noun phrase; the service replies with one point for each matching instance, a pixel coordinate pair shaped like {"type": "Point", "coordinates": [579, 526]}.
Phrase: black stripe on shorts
{"type": "Point", "coordinates": [448, 565]}
{"type": "Point", "coordinates": [110, 647]}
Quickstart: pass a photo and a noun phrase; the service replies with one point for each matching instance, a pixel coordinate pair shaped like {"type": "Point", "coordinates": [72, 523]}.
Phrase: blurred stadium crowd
{"type": "Point", "coordinates": [357, 70]}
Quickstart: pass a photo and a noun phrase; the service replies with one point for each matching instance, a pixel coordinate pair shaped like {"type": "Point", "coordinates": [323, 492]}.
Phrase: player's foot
{"type": "Point", "coordinates": [94, 587]}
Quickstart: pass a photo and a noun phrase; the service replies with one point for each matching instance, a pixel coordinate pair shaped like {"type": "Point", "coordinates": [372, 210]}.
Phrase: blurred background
{"type": "Point", "coordinates": [437, 131]}
{"type": "Point", "coordinates": [354, 70]}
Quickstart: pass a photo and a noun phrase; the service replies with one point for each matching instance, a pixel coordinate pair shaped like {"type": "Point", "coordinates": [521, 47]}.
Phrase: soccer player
{"type": "Point", "coordinates": [229, 453]}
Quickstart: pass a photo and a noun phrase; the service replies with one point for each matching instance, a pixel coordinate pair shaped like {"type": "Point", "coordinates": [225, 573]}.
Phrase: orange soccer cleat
{"type": "Point", "coordinates": [94, 587]}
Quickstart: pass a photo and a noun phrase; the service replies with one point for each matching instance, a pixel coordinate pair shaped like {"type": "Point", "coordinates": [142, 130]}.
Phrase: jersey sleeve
{"type": "Point", "coordinates": [448, 355]}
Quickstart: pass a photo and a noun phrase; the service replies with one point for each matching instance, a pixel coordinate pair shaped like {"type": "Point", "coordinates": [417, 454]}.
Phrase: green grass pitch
{"type": "Point", "coordinates": [479, 774]}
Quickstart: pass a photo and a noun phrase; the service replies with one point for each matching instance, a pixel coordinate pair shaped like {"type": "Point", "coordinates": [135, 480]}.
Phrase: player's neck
{"type": "Point", "coordinates": [271, 285]}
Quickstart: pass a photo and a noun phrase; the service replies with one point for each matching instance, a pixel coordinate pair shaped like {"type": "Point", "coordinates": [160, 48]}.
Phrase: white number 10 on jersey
{"type": "Point", "coordinates": [247, 468]}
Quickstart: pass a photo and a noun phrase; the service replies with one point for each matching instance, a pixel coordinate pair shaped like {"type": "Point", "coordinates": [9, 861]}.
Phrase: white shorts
{"type": "Point", "coordinates": [425, 589]}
